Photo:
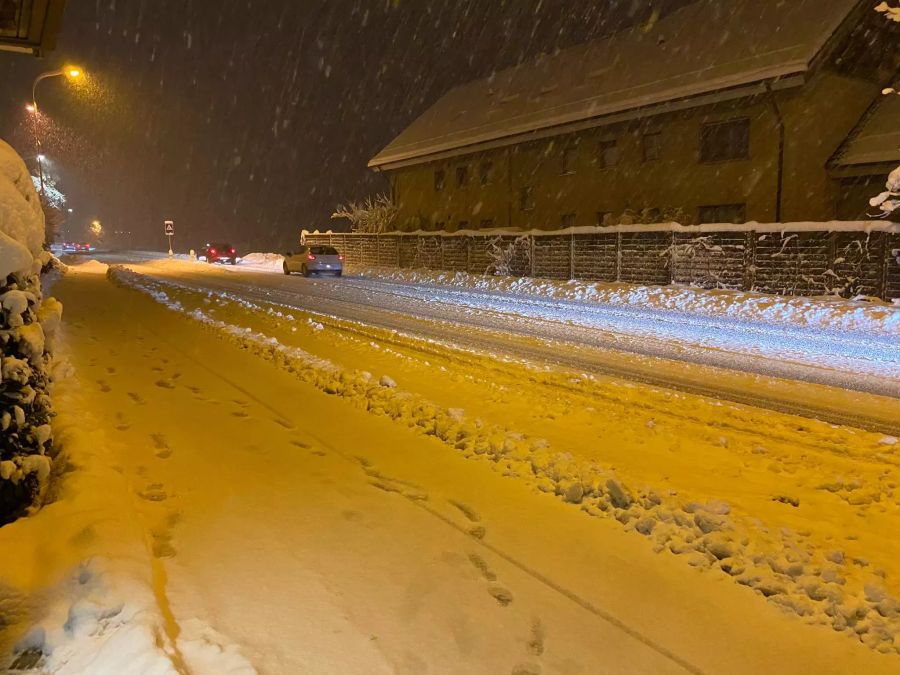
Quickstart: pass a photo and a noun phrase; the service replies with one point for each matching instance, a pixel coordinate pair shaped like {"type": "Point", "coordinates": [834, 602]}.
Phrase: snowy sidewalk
{"type": "Point", "coordinates": [309, 536]}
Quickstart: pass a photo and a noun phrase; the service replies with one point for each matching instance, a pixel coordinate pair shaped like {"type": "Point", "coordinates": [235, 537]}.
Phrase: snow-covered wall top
{"type": "Point", "coordinates": [21, 216]}
{"type": "Point", "coordinates": [830, 226]}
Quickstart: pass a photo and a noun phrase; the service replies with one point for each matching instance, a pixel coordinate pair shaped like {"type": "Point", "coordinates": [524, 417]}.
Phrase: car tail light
{"type": "Point", "coordinates": [340, 257]}
{"type": "Point", "coordinates": [212, 251]}
{"type": "Point", "coordinates": [231, 250]}
{"type": "Point", "coordinates": [310, 256]}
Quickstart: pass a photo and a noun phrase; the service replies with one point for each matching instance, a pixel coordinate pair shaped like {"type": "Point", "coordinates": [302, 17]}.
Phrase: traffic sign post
{"type": "Point", "coordinates": [170, 232]}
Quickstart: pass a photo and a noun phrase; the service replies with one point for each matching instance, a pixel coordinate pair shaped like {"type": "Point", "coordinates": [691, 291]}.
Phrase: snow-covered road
{"type": "Point", "coordinates": [465, 515]}
{"type": "Point", "coordinates": [680, 350]}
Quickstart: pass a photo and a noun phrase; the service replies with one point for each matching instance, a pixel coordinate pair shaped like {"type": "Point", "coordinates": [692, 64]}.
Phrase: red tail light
{"type": "Point", "coordinates": [340, 257]}
{"type": "Point", "coordinates": [310, 256]}
{"type": "Point", "coordinates": [232, 251]}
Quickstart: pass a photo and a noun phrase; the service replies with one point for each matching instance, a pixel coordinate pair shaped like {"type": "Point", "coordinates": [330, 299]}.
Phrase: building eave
{"type": "Point", "coordinates": [401, 160]}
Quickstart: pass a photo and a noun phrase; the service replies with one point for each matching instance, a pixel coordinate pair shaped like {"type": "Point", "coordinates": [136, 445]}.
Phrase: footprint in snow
{"type": "Point", "coordinates": [137, 398]}
{"type": "Point", "coordinates": [111, 370]}
{"type": "Point", "coordinates": [283, 423]}
{"type": "Point", "coordinates": [104, 386]}
{"type": "Point", "coordinates": [481, 565]}
{"type": "Point", "coordinates": [161, 445]}
{"type": "Point", "coordinates": [466, 510]}
{"type": "Point", "coordinates": [300, 444]}
{"type": "Point", "coordinates": [240, 413]}
{"type": "Point", "coordinates": [501, 594]}
{"type": "Point", "coordinates": [165, 384]}
{"type": "Point", "coordinates": [527, 669]}
{"type": "Point", "coordinates": [154, 493]}
{"type": "Point", "coordinates": [536, 639]}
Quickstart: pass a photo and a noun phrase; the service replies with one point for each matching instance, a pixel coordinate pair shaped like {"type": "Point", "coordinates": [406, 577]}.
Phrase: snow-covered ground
{"type": "Point", "coordinates": [421, 505]}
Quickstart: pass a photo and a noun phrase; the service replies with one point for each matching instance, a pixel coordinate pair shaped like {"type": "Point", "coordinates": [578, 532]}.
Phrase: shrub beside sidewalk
{"type": "Point", "coordinates": [28, 324]}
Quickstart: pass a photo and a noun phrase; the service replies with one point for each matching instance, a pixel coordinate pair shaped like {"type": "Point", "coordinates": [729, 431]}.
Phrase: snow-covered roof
{"type": "Point", "coordinates": [876, 139]}
{"type": "Point", "coordinates": [705, 47]}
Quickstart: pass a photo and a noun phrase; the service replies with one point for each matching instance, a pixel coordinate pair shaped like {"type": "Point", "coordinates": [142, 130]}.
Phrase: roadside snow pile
{"type": "Point", "coordinates": [831, 313]}
{"type": "Point", "coordinates": [266, 261]}
{"type": "Point", "coordinates": [782, 565]}
{"type": "Point", "coordinates": [27, 332]}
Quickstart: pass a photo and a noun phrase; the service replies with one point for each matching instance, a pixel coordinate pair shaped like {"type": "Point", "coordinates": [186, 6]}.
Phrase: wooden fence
{"type": "Point", "coordinates": [846, 262]}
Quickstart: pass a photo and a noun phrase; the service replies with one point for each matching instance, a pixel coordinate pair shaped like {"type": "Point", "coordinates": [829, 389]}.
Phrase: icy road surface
{"type": "Point", "coordinates": [592, 337]}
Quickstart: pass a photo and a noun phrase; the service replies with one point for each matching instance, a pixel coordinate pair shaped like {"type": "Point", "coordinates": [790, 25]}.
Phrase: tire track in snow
{"type": "Point", "coordinates": [476, 337]}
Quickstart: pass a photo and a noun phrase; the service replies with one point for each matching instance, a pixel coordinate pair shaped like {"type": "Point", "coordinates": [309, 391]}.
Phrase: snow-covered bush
{"type": "Point", "coordinates": [503, 254]}
{"type": "Point", "coordinates": [53, 203]}
{"type": "Point", "coordinates": [888, 201]}
{"type": "Point", "coordinates": [27, 328]}
{"type": "Point", "coordinates": [373, 215]}
{"type": "Point", "coordinates": [890, 12]}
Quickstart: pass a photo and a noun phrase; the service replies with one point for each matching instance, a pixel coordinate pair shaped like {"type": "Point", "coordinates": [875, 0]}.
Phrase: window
{"type": "Point", "coordinates": [439, 180]}
{"type": "Point", "coordinates": [651, 143]}
{"type": "Point", "coordinates": [526, 198]}
{"type": "Point", "coordinates": [487, 173]}
{"type": "Point", "coordinates": [725, 141]}
{"type": "Point", "coordinates": [567, 220]}
{"type": "Point", "coordinates": [487, 223]}
{"type": "Point", "coordinates": [607, 154]}
{"type": "Point", "coordinates": [723, 213]}
{"type": "Point", "coordinates": [462, 176]}
{"type": "Point", "coordinates": [569, 158]}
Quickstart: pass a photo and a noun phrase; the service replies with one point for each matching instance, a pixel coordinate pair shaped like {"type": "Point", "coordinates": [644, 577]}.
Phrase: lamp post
{"type": "Point", "coordinates": [71, 73]}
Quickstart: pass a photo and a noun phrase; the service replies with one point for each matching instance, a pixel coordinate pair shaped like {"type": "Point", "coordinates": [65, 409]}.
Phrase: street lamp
{"type": "Point", "coordinates": [71, 73]}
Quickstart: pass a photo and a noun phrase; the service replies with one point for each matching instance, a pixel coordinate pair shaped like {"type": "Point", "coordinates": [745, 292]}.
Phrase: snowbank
{"type": "Point", "coordinates": [21, 217]}
{"type": "Point", "coordinates": [831, 313]}
{"type": "Point", "coordinates": [269, 262]}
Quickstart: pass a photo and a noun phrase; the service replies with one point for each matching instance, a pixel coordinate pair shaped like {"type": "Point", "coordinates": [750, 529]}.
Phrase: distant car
{"type": "Point", "coordinates": [221, 252]}
{"type": "Point", "coordinates": [314, 260]}
{"type": "Point", "coordinates": [83, 247]}
{"type": "Point", "coordinates": [70, 247]}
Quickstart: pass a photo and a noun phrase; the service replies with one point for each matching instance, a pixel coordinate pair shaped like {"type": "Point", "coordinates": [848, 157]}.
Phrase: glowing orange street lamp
{"type": "Point", "coordinates": [71, 73]}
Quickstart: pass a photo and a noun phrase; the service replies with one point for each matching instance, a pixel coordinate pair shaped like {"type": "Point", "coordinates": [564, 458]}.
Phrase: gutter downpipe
{"type": "Point", "coordinates": [781, 143]}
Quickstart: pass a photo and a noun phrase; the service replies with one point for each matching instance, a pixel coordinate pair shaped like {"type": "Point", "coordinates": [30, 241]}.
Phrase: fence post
{"type": "Point", "coordinates": [531, 256]}
{"type": "Point", "coordinates": [441, 245]}
{"type": "Point", "coordinates": [886, 256]}
{"type": "Point", "coordinates": [377, 249]}
{"type": "Point", "coordinates": [749, 261]}
{"type": "Point", "coordinates": [571, 256]}
{"type": "Point", "coordinates": [618, 256]}
{"type": "Point", "coordinates": [468, 254]}
{"type": "Point", "coordinates": [673, 252]}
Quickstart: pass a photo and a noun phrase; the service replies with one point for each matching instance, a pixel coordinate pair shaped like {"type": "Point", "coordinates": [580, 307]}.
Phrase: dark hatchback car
{"type": "Point", "coordinates": [223, 253]}
{"type": "Point", "coordinates": [314, 260]}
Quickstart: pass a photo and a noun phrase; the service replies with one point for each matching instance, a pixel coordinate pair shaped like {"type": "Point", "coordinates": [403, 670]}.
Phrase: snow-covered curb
{"type": "Point", "coordinates": [830, 313]}
{"type": "Point", "coordinates": [778, 564]}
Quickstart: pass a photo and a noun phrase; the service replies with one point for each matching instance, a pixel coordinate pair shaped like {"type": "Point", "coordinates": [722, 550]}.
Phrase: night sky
{"type": "Point", "coordinates": [247, 120]}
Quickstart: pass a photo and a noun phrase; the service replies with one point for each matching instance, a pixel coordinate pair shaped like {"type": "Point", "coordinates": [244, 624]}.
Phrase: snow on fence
{"type": "Point", "coordinates": [836, 258]}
